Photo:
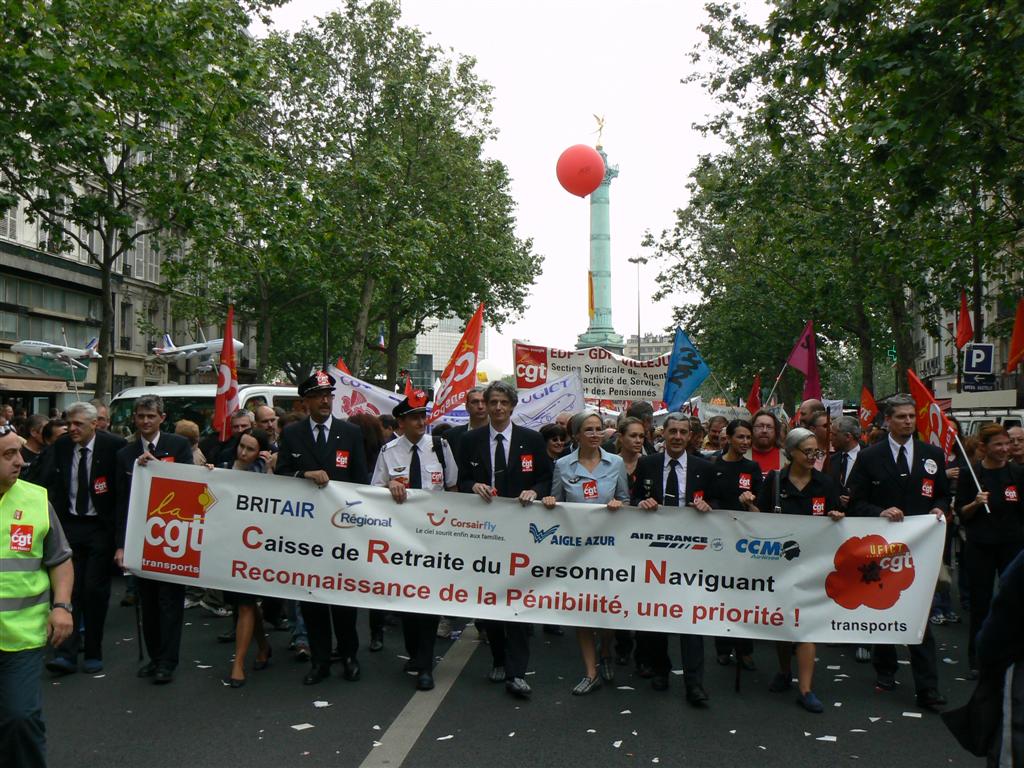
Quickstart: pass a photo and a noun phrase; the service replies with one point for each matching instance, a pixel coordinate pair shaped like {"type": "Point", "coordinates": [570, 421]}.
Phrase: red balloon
{"type": "Point", "coordinates": [580, 169]}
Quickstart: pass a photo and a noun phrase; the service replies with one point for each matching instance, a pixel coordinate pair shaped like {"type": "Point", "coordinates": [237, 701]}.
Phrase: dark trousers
{"type": "Point", "coordinates": [654, 649]}
{"type": "Point", "coordinates": [92, 548]}
{"type": "Point", "coordinates": [985, 562]}
{"type": "Point", "coordinates": [510, 646]}
{"type": "Point", "coordinates": [319, 620]}
{"type": "Point", "coordinates": [163, 613]}
{"type": "Point", "coordinates": [420, 631]}
{"type": "Point", "coordinates": [378, 618]}
{"type": "Point", "coordinates": [22, 730]}
{"type": "Point", "coordinates": [922, 662]}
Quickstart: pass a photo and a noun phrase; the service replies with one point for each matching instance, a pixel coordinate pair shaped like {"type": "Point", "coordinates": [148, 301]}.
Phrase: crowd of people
{"type": "Point", "coordinates": [760, 465]}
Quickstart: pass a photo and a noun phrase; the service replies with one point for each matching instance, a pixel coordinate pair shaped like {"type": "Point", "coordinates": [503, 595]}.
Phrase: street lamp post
{"type": "Point", "coordinates": [638, 261]}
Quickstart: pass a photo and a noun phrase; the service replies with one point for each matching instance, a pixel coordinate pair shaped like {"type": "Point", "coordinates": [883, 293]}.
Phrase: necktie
{"type": "Point", "coordinates": [902, 468]}
{"type": "Point", "coordinates": [82, 497]}
{"type": "Point", "coordinates": [844, 463]}
{"type": "Point", "coordinates": [321, 439]}
{"type": "Point", "coordinates": [151, 447]}
{"type": "Point", "coordinates": [500, 466]}
{"type": "Point", "coordinates": [415, 474]}
{"type": "Point", "coordinates": [672, 485]}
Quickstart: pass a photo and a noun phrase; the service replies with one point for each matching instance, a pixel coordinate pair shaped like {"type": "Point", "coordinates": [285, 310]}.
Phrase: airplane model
{"type": "Point", "coordinates": [200, 349]}
{"type": "Point", "coordinates": [66, 354]}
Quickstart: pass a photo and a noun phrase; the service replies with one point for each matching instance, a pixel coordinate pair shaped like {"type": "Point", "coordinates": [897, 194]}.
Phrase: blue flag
{"type": "Point", "coordinates": [686, 371]}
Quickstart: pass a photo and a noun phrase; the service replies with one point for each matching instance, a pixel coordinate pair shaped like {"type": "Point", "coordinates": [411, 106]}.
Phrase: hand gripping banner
{"type": "Point", "coordinates": [743, 574]}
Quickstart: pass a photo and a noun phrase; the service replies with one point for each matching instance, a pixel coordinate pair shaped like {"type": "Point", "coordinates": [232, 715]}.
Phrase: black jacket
{"type": "Point", "coordinates": [54, 472]}
{"type": "Point", "coordinates": [344, 459]}
{"type": "Point", "coordinates": [650, 475]}
{"type": "Point", "coordinates": [875, 485]}
{"type": "Point", "coordinates": [529, 466]}
{"type": "Point", "coordinates": [169, 447]}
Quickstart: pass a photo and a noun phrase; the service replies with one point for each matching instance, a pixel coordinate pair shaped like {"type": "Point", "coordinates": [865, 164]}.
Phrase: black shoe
{"type": "Point", "coordinates": [425, 682]}
{"type": "Point", "coordinates": [376, 642]}
{"type": "Point", "coordinates": [930, 698]}
{"type": "Point", "coordinates": [233, 682]}
{"type": "Point", "coordinates": [747, 662]}
{"type": "Point", "coordinates": [351, 671]}
{"type": "Point", "coordinates": [782, 681]}
{"type": "Point", "coordinates": [659, 683]}
{"type": "Point", "coordinates": [316, 675]}
{"type": "Point", "coordinates": [517, 686]}
{"type": "Point", "coordinates": [259, 666]}
{"type": "Point", "coordinates": [147, 670]}
{"type": "Point", "coordinates": [410, 668]}
{"type": "Point", "coordinates": [336, 655]}
{"type": "Point", "coordinates": [62, 666]}
{"type": "Point", "coordinates": [885, 683]}
{"type": "Point", "coordinates": [696, 695]}
{"type": "Point", "coordinates": [163, 675]}
{"type": "Point", "coordinates": [226, 637]}
{"type": "Point", "coordinates": [724, 659]}
{"type": "Point", "coordinates": [645, 671]}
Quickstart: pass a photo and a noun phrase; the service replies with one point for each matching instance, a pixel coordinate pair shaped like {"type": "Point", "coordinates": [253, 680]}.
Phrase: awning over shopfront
{"type": "Point", "coordinates": [15, 377]}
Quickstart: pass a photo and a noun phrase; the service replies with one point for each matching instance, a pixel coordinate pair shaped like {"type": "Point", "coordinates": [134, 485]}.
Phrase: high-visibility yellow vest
{"type": "Point", "coordinates": [24, 581]}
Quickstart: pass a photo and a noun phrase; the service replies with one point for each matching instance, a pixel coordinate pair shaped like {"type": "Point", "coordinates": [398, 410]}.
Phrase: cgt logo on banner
{"type": "Point", "coordinates": [175, 516]}
{"type": "Point", "coordinates": [870, 571]}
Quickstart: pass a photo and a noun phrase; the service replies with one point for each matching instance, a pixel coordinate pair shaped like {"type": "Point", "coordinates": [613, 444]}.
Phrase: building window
{"type": "Point", "coordinates": [9, 223]}
{"type": "Point", "coordinates": [127, 326]}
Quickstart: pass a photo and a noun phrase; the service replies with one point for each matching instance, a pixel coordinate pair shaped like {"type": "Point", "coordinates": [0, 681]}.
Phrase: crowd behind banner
{"type": "Point", "coordinates": [825, 465]}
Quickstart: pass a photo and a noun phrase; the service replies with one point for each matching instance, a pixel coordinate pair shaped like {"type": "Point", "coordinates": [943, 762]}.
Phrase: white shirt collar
{"type": "Point", "coordinates": [327, 426]}
{"type": "Point", "coordinates": [681, 459]}
{"type": "Point", "coordinates": [894, 447]}
{"type": "Point", "coordinates": [155, 441]}
{"type": "Point", "coordinates": [506, 433]}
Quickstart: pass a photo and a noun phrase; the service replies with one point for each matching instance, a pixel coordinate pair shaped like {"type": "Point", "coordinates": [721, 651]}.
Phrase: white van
{"type": "Point", "coordinates": [973, 419]}
{"type": "Point", "coordinates": [194, 402]}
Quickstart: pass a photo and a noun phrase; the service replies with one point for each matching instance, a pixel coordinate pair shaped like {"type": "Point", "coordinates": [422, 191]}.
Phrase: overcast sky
{"type": "Point", "coordinates": [553, 65]}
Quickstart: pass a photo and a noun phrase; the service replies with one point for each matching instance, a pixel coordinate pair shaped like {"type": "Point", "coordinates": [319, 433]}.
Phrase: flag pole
{"type": "Point", "coordinates": [970, 468]}
{"type": "Point", "coordinates": [778, 378]}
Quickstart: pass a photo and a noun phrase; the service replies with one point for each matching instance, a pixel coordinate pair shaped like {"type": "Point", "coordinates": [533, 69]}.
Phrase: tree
{"type": "Point", "coordinates": [118, 118]}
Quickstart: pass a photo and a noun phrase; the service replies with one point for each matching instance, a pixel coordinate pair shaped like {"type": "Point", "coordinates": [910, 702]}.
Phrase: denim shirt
{"type": "Point", "coordinates": [574, 482]}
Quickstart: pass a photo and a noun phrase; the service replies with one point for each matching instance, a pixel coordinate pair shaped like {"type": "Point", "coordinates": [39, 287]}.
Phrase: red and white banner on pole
{"type": "Point", "coordinates": [459, 375]}
{"type": "Point", "coordinates": [738, 574]}
{"type": "Point", "coordinates": [227, 401]}
{"type": "Point", "coordinates": [932, 424]}
{"type": "Point", "coordinates": [867, 411]}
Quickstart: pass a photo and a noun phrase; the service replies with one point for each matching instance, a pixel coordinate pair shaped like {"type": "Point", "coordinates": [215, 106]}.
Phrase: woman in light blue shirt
{"type": "Point", "coordinates": [591, 475]}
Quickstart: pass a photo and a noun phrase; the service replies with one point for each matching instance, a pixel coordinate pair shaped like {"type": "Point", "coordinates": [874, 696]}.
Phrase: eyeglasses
{"type": "Point", "coordinates": [812, 453]}
{"type": "Point", "coordinates": [763, 427]}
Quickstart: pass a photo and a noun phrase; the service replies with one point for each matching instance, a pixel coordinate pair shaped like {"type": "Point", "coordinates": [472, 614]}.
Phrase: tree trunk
{"type": "Point", "coordinates": [355, 357]}
{"type": "Point", "coordinates": [394, 346]}
{"type": "Point", "coordinates": [979, 319]}
{"type": "Point", "coordinates": [263, 313]}
{"type": "Point", "coordinates": [867, 351]}
{"type": "Point", "coordinates": [901, 333]}
{"type": "Point", "coordinates": [105, 365]}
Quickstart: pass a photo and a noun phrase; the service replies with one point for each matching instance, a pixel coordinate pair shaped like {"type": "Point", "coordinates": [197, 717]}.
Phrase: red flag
{"type": "Point", "coordinates": [1017, 340]}
{"type": "Point", "coordinates": [804, 358]}
{"type": "Point", "coordinates": [460, 374]}
{"type": "Point", "coordinates": [340, 365]}
{"type": "Point", "coordinates": [964, 328]}
{"type": "Point", "coordinates": [227, 381]}
{"type": "Point", "coordinates": [754, 398]}
{"type": "Point", "coordinates": [868, 410]}
{"type": "Point", "coordinates": [932, 424]}
{"type": "Point", "coordinates": [408, 387]}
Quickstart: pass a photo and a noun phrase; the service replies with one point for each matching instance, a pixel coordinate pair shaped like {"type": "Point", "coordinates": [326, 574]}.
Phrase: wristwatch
{"type": "Point", "coordinates": [65, 606]}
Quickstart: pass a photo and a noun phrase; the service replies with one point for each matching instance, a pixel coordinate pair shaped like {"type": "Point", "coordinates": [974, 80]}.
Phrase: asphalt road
{"type": "Point", "coordinates": [116, 719]}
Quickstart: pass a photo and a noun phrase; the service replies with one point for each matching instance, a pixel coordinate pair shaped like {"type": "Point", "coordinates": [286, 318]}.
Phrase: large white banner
{"type": "Point", "coordinates": [770, 576]}
{"type": "Point", "coordinates": [352, 395]}
{"type": "Point", "coordinates": [603, 374]}
{"type": "Point", "coordinates": [540, 405]}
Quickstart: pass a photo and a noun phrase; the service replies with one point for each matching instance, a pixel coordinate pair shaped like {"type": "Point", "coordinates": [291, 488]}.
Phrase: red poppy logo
{"type": "Point", "coordinates": [357, 403]}
{"type": "Point", "coordinates": [870, 571]}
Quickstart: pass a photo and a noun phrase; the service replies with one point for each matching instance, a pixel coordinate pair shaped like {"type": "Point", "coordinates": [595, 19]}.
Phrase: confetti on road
{"type": "Point", "coordinates": [838, 704]}
{"type": "Point", "coordinates": [677, 671]}
{"type": "Point", "coordinates": [857, 730]}
{"type": "Point", "coordinates": [733, 731]}
{"type": "Point", "coordinates": [764, 748]}
{"type": "Point", "coordinates": [302, 726]}
{"type": "Point", "coordinates": [826, 738]}
{"type": "Point", "coordinates": [655, 760]}
{"type": "Point", "coordinates": [833, 666]}
{"type": "Point", "coordinates": [617, 744]}
{"type": "Point", "coordinates": [842, 675]}
{"type": "Point", "coordinates": [402, 657]}
{"type": "Point", "coordinates": [376, 743]}
{"type": "Point", "coordinates": [626, 712]}
{"type": "Point", "coordinates": [512, 734]}
{"type": "Point", "coordinates": [98, 677]}
{"type": "Point", "coordinates": [874, 719]}
{"type": "Point", "coordinates": [626, 688]}
{"type": "Point", "coordinates": [204, 666]}
{"type": "Point", "coordinates": [321, 704]}
{"type": "Point", "coordinates": [948, 660]}
{"type": "Point", "coordinates": [591, 730]}
{"type": "Point", "coordinates": [531, 673]}
{"type": "Point", "coordinates": [912, 714]}
{"type": "Point", "coordinates": [904, 661]}
{"type": "Point", "coordinates": [446, 738]}
{"type": "Point", "coordinates": [635, 733]}
{"type": "Point", "coordinates": [807, 733]}
{"type": "Point", "coordinates": [376, 727]}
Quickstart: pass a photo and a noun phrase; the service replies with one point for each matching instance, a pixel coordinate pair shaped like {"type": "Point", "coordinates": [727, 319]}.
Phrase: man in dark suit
{"type": "Point", "coordinates": [162, 603]}
{"type": "Point", "coordinates": [322, 448]}
{"type": "Point", "coordinates": [674, 479]}
{"type": "Point", "coordinates": [79, 474]}
{"type": "Point", "coordinates": [896, 477]}
{"type": "Point", "coordinates": [504, 459]}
